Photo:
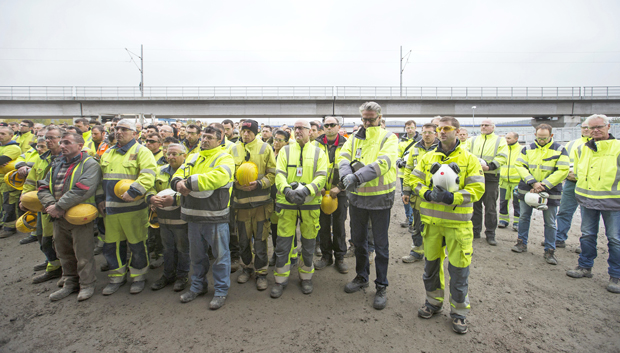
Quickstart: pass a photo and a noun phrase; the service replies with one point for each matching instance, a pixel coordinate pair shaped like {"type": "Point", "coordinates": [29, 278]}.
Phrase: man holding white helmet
{"type": "Point", "coordinates": [543, 165]}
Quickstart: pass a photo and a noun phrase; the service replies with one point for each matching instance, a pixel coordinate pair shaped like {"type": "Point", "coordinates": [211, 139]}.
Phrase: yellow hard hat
{"type": "Point", "coordinates": [153, 220]}
{"type": "Point", "coordinates": [13, 180]}
{"type": "Point", "coordinates": [122, 186]}
{"type": "Point", "coordinates": [30, 200]}
{"type": "Point", "coordinates": [8, 167]}
{"type": "Point", "coordinates": [247, 173]}
{"type": "Point", "coordinates": [27, 222]}
{"type": "Point", "coordinates": [329, 205]}
{"type": "Point", "coordinates": [81, 214]}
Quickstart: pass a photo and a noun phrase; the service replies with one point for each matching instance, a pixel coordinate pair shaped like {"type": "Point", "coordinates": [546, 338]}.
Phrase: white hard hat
{"type": "Point", "coordinates": [127, 124]}
{"type": "Point", "coordinates": [446, 178]}
{"type": "Point", "coordinates": [167, 192]}
{"type": "Point", "coordinates": [537, 201]}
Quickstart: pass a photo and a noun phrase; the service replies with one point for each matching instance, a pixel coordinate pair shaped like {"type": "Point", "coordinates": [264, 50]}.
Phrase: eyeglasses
{"type": "Point", "coordinates": [543, 138]}
{"type": "Point", "coordinates": [280, 140]}
{"type": "Point", "coordinates": [173, 154]}
{"type": "Point", "coordinates": [370, 120]}
{"type": "Point", "coordinates": [300, 128]}
{"type": "Point", "coordinates": [152, 141]}
{"type": "Point", "coordinates": [598, 127]}
{"type": "Point", "coordinates": [52, 137]}
{"type": "Point", "coordinates": [446, 128]}
{"type": "Point", "coordinates": [428, 132]}
{"type": "Point", "coordinates": [23, 125]}
{"type": "Point", "coordinates": [585, 127]}
{"type": "Point", "coordinates": [330, 125]}
{"type": "Point", "coordinates": [486, 125]}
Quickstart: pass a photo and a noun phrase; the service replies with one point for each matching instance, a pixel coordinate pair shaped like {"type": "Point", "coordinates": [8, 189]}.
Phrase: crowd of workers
{"type": "Point", "coordinates": [191, 197]}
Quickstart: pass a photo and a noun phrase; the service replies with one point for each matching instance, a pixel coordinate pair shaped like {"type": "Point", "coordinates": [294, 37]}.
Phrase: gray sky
{"type": "Point", "coordinates": [318, 43]}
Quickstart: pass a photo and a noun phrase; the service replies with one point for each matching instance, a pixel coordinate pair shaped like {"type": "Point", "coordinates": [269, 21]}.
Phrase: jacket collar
{"type": "Point", "coordinates": [592, 144]}
{"type": "Point", "coordinates": [12, 142]}
{"type": "Point", "coordinates": [420, 144]}
{"type": "Point", "coordinates": [340, 140]}
{"type": "Point", "coordinates": [456, 146]}
{"type": "Point", "coordinates": [124, 149]}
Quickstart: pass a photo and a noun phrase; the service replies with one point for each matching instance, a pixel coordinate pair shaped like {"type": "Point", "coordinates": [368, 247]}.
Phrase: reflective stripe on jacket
{"type": "Point", "coordinates": [261, 154]}
{"type": "Point", "coordinates": [492, 148]}
{"type": "Point", "coordinates": [170, 217]}
{"type": "Point", "coordinates": [597, 168]}
{"type": "Point", "coordinates": [419, 150]}
{"type": "Point", "coordinates": [508, 172]}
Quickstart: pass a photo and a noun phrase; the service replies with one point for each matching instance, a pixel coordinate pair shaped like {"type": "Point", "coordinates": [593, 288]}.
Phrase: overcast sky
{"type": "Point", "coordinates": [318, 43]}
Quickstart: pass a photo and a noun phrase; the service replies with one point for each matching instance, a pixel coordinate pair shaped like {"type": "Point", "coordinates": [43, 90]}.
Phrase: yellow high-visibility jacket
{"type": "Point", "coordinates": [261, 154]}
{"type": "Point", "coordinates": [597, 168]}
{"type": "Point", "coordinates": [492, 148]}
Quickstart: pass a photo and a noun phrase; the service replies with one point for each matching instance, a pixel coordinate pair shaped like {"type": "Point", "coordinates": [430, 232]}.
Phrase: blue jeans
{"type": "Point", "coordinates": [201, 236]}
{"type": "Point", "coordinates": [408, 209]}
{"type": "Point", "coordinates": [568, 206]}
{"type": "Point", "coordinates": [589, 231]}
{"type": "Point", "coordinates": [176, 251]}
{"type": "Point", "coordinates": [550, 228]}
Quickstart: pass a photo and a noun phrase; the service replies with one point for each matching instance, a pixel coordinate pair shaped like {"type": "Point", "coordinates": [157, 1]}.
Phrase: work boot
{"type": "Point", "coordinates": [306, 286]}
{"type": "Point", "coordinates": [261, 282]}
{"type": "Point", "coordinates": [491, 241]}
{"type": "Point", "coordinates": [380, 298]}
{"type": "Point", "coordinates": [111, 288]}
{"type": "Point", "coordinates": [502, 224]}
{"type": "Point", "coordinates": [272, 260]}
{"type": "Point", "coordinates": [409, 259]}
{"type": "Point", "coordinates": [317, 250]}
{"type": "Point", "coordinates": [459, 326]}
{"type": "Point", "coordinates": [580, 272]}
{"type": "Point", "coordinates": [277, 289]}
{"type": "Point", "coordinates": [245, 275]}
{"type": "Point", "coordinates": [180, 284]}
{"type": "Point", "coordinates": [27, 240]}
{"type": "Point", "coordinates": [7, 232]}
{"type": "Point", "coordinates": [356, 284]}
{"type": "Point", "coordinates": [161, 283]}
{"type": "Point", "coordinates": [323, 262]}
{"type": "Point", "coordinates": [614, 285]}
{"type": "Point", "coordinates": [515, 227]}
{"type": "Point", "coordinates": [350, 251]}
{"type": "Point", "coordinates": [342, 267]}
{"type": "Point", "coordinates": [105, 267]}
{"type": "Point", "coordinates": [64, 292]}
{"type": "Point", "coordinates": [40, 267]}
{"type": "Point", "coordinates": [560, 244]}
{"type": "Point", "coordinates": [235, 265]}
{"type": "Point", "coordinates": [519, 247]}
{"type": "Point", "coordinates": [217, 302]}
{"type": "Point", "coordinates": [371, 257]}
{"type": "Point", "coordinates": [156, 263]}
{"type": "Point", "coordinates": [550, 257]}
{"type": "Point", "coordinates": [426, 312]}
{"type": "Point", "coordinates": [405, 224]}
{"type": "Point", "coordinates": [86, 292]}
{"type": "Point", "coordinates": [137, 287]}
{"type": "Point", "coordinates": [47, 275]}
{"type": "Point", "coordinates": [61, 282]}
{"type": "Point", "coordinates": [191, 295]}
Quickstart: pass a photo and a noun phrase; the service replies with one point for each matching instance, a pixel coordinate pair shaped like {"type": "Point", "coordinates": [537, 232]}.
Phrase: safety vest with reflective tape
{"type": "Point", "coordinates": [471, 187]}
{"type": "Point", "coordinates": [491, 148]}
{"type": "Point", "coordinates": [12, 151]}
{"type": "Point", "coordinates": [311, 161]}
{"type": "Point", "coordinates": [132, 161]}
{"type": "Point", "coordinates": [261, 154]}
{"type": "Point", "coordinates": [419, 150]}
{"type": "Point", "coordinates": [597, 168]}
{"type": "Point", "coordinates": [170, 217]}
{"type": "Point", "coordinates": [571, 147]}
{"type": "Point", "coordinates": [38, 171]}
{"type": "Point", "coordinates": [76, 174]}
{"type": "Point", "coordinates": [405, 147]}
{"type": "Point", "coordinates": [209, 175]}
{"type": "Point", "coordinates": [332, 152]}
{"type": "Point", "coordinates": [508, 172]}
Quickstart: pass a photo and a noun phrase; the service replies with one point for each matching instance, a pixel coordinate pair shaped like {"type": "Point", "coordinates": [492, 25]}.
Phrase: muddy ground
{"type": "Point", "coordinates": [519, 304]}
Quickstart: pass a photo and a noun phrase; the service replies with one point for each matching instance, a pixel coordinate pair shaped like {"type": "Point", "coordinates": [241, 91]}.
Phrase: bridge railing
{"type": "Point", "coordinates": [328, 92]}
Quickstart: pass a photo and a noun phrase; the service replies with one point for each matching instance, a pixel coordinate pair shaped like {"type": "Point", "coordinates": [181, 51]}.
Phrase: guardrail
{"type": "Point", "coordinates": [330, 92]}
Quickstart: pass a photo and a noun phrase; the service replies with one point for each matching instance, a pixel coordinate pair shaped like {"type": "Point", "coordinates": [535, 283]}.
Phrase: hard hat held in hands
{"type": "Point", "coordinates": [446, 176]}
{"type": "Point", "coordinates": [483, 163]}
{"type": "Point", "coordinates": [537, 201]}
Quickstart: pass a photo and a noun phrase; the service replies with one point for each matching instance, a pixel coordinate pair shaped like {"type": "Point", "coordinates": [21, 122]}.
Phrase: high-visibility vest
{"type": "Point", "coordinates": [261, 154]}
{"type": "Point", "coordinates": [492, 148]}
{"type": "Point", "coordinates": [597, 168]}
{"type": "Point", "coordinates": [508, 173]}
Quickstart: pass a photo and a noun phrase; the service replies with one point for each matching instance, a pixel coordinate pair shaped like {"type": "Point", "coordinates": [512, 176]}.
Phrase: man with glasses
{"type": "Point", "coordinates": [568, 203]}
{"type": "Point", "coordinates": [543, 165]}
{"type": "Point", "coordinates": [153, 143]}
{"type": "Point", "coordinates": [597, 170]}
{"type": "Point", "coordinates": [25, 136]}
{"type": "Point", "coordinates": [404, 148]}
{"type": "Point", "coordinates": [301, 171]}
{"type": "Point", "coordinates": [333, 224]}
{"type": "Point", "coordinates": [493, 150]}
{"type": "Point", "coordinates": [428, 143]}
{"type": "Point", "coordinates": [192, 142]}
{"type": "Point", "coordinates": [447, 222]}
{"type": "Point", "coordinates": [166, 131]}
{"type": "Point", "coordinates": [509, 179]}
{"type": "Point", "coordinates": [9, 151]}
{"type": "Point", "coordinates": [367, 167]}
{"type": "Point", "coordinates": [125, 217]}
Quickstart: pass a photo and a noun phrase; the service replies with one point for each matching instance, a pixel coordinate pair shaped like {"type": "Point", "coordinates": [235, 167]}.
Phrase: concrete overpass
{"type": "Point", "coordinates": [305, 102]}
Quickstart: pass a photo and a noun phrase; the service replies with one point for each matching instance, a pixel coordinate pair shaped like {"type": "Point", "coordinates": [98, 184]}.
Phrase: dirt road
{"type": "Point", "coordinates": [519, 304]}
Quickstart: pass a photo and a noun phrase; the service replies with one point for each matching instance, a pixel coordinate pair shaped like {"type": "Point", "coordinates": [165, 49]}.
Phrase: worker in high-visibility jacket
{"type": "Point", "coordinates": [367, 167]}
{"type": "Point", "coordinates": [597, 169]}
{"type": "Point", "coordinates": [508, 180]}
{"type": "Point", "coordinates": [568, 203]}
{"type": "Point", "coordinates": [463, 136]}
{"type": "Point", "coordinates": [405, 146]}
{"type": "Point", "coordinates": [45, 227]}
{"type": "Point", "coordinates": [192, 141]}
{"type": "Point", "coordinates": [301, 171]}
{"type": "Point", "coordinates": [173, 229]}
{"type": "Point", "coordinates": [154, 243]}
{"type": "Point", "coordinates": [97, 137]}
{"type": "Point", "coordinates": [72, 180]}
{"type": "Point", "coordinates": [493, 150]}
{"type": "Point", "coordinates": [542, 165]}
{"type": "Point", "coordinates": [84, 125]}
{"type": "Point", "coordinates": [429, 143]}
{"type": "Point", "coordinates": [25, 137]}
{"type": "Point", "coordinates": [447, 221]}
{"type": "Point", "coordinates": [9, 152]}
{"type": "Point", "coordinates": [252, 203]}
{"type": "Point", "coordinates": [126, 217]}
{"type": "Point", "coordinates": [205, 183]}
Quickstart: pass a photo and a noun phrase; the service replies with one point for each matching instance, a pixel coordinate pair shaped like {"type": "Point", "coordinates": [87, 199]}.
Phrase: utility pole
{"type": "Point", "coordinates": [402, 68]}
{"type": "Point", "coordinates": [141, 68]}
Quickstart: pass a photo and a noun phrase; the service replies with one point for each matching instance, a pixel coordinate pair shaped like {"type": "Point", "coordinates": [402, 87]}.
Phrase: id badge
{"type": "Point", "coordinates": [300, 171]}
{"type": "Point", "coordinates": [358, 153]}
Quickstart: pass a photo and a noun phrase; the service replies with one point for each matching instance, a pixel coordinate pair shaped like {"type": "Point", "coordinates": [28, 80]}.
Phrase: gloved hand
{"type": "Point", "coordinates": [401, 163]}
{"type": "Point", "coordinates": [439, 194]}
{"type": "Point", "coordinates": [298, 196]}
{"type": "Point", "coordinates": [455, 167]}
{"type": "Point", "coordinates": [288, 194]}
{"type": "Point", "coordinates": [350, 182]}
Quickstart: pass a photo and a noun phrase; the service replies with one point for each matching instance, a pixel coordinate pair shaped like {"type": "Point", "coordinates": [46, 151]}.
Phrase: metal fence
{"type": "Point", "coordinates": [328, 92]}
{"type": "Point", "coordinates": [560, 134]}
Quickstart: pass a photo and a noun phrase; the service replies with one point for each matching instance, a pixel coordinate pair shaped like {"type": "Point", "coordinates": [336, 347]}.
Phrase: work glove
{"type": "Point", "coordinates": [350, 182]}
{"type": "Point", "coordinates": [288, 194]}
{"type": "Point", "coordinates": [298, 196]}
{"type": "Point", "coordinates": [439, 194]}
{"type": "Point", "coordinates": [401, 163]}
{"type": "Point", "coordinates": [455, 167]}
